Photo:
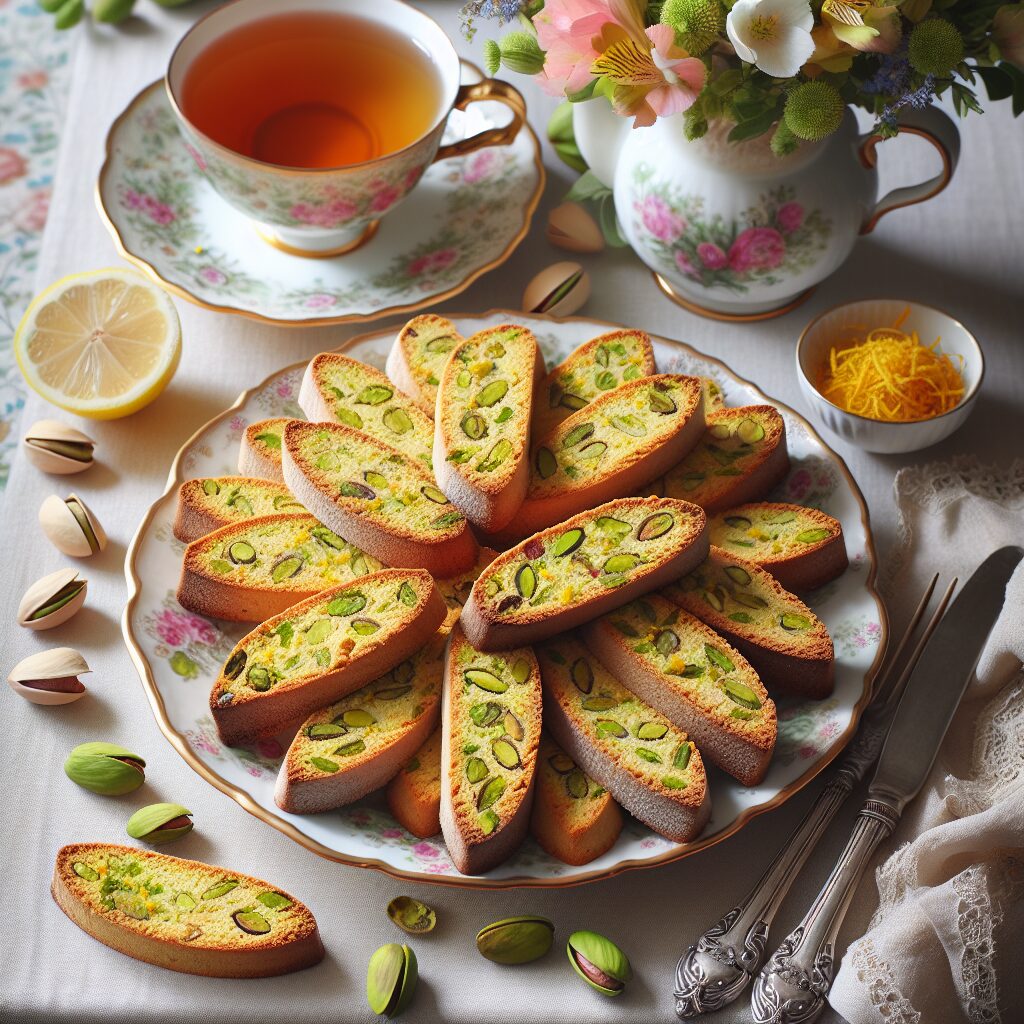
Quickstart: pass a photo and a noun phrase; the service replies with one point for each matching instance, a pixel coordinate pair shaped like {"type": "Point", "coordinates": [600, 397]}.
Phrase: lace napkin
{"type": "Point", "coordinates": [944, 942]}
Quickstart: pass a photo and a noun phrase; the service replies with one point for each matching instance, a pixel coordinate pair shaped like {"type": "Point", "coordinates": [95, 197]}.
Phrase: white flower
{"type": "Point", "coordinates": [773, 34]}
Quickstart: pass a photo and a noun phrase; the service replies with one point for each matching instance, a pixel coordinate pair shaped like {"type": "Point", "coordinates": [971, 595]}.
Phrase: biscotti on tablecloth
{"type": "Point", "coordinates": [207, 503]}
{"type": "Point", "coordinates": [417, 357]}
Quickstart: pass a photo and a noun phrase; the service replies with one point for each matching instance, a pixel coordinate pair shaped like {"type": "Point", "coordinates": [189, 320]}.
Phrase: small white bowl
{"type": "Point", "coordinates": [812, 354]}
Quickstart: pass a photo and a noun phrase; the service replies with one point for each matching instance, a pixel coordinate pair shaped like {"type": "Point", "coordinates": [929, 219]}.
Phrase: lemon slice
{"type": "Point", "coordinates": [101, 344]}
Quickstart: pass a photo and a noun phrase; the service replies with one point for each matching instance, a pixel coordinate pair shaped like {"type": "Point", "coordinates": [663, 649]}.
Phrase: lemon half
{"type": "Point", "coordinates": [101, 344]}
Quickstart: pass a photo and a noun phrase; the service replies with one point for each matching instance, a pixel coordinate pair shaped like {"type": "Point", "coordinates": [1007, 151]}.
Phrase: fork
{"type": "Point", "coordinates": [716, 969]}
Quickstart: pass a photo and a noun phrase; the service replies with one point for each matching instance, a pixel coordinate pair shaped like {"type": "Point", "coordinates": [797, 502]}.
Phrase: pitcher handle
{"type": "Point", "coordinates": [931, 124]}
{"type": "Point", "coordinates": [490, 89]}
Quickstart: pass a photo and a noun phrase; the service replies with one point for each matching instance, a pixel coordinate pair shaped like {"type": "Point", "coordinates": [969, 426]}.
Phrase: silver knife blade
{"type": "Point", "coordinates": [938, 681]}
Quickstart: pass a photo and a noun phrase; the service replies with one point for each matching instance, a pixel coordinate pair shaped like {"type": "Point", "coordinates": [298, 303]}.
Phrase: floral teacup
{"type": "Point", "coordinates": [327, 211]}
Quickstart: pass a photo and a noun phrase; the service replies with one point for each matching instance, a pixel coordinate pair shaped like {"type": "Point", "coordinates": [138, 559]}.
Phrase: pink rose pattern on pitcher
{"type": "Point", "coordinates": [776, 239]}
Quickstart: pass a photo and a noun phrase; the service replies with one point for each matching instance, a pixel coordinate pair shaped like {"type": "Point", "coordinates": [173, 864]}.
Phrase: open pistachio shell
{"type": "Point", "coordinates": [71, 526]}
{"type": "Point", "coordinates": [599, 962]}
{"type": "Point", "coordinates": [160, 823]}
{"type": "Point", "coordinates": [50, 677]}
{"type": "Point", "coordinates": [391, 979]}
{"type": "Point", "coordinates": [571, 227]}
{"type": "Point", "coordinates": [54, 447]}
{"type": "Point", "coordinates": [52, 600]}
{"type": "Point", "coordinates": [105, 768]}
{"type": "Point", "coordinates": [558, 290]}
{"type": "Point", "coordinates": [516, 940]}
{"type": "Point", "coordinates": [412, 916]}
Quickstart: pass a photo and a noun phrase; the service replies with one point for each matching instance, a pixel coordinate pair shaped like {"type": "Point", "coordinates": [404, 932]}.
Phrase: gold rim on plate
{"type": "Point", "coordinates": [529, 209]}
{"type": "Point", "coordinates": [245, 800]}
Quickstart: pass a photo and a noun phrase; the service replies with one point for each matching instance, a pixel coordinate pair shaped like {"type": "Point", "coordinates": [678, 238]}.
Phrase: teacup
{"type": "Point", "coordinates": [325, 211]}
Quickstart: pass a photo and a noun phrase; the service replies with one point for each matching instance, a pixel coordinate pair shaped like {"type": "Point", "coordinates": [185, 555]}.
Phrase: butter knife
{"type": "Point", "coordinates": [793, 985]}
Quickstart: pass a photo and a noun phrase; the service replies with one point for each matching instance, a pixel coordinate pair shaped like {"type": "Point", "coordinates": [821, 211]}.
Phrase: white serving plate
{"type": "Point", "coordinates": [179, 654]}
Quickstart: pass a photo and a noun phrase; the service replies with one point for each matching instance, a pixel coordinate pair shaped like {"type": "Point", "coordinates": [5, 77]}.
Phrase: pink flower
{"type": "Point", "coordinates": [131, 199]}
{"type": "Point", "coordinates": [33, 79]}
{"type": "Point", "coordinates": [807, 752]}
{"type": "Point", "coordinates": [200, 162]}
{"type": "Point", "coordinates": [211, 275]}
{"type": "Point", "coordinates": [789, 217]}
{"type": "Point", "coordinates": [237, 423]}
{"type": "Point", "coordinates": [12, 164]}
{"type": "Point", "coordinates": [712, 256]}
{"type": "Point", "coordinates": [269, 748]}
{"type": "Point", "coordinates": [320, 301]}
{"type": "Point", "coordinates": [324, 215]}
{"type": "Point", "coordinates": [799, 483]}
{"type": "Point", "coordinates": [566, 31]}
{"type": "Point", "coordinates": [391, 833]}
{"type": "Point", "coordinates": [283, 389]}
{"type": "Point", "coordinates": [757, 249]}
{"type": "Point", "coordinates": [481, 166]}
{"type": "Point", "coordinates": [159, 213]}
{"type": "Point", "coordinates": [437, 868]}
{"type": "Point", "coordinates": [412, 176]}
{"type": "Point", "coordinates": [177, 628]}
{"type": "Point", "coordinates": [659, 220]}
{"type": "Point", "coordinates": [425, 850]}
{"type": "Point", "coordinates": [432, 261]}
{"type": "Point", "coordinates": [685, 264]}
{"type": "Point", "coordinates": [384, 199]}
{"type": "Point", "coordinates": [32, 216]}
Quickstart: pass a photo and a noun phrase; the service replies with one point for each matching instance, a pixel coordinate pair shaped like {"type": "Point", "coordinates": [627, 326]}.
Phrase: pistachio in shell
{"type": "Point", "coordinates": [571, 227]}
{"type": "Point", "coordinates": [412, 916]}
{"type": "Point", "coordinates": [599, 962]}
{"type": "Point", "coordinates": [391, 979]}
{"type": "Point", "coordinates": [105, 768]}
{"type": "Point", "coordinates": [160, 823]}
{"type": "Point", "coordinates": [52, 600]}
{"type": "Point", "coordinates": [71, 526]}
{"type": "Point", "coordinates": [558, 290]}
{"type": "Point", "coordinates": [54, 447]}
{"type": "Point", "coordinates": [50, 677]}
{"type": "Point", "coordinates": [516, 940]}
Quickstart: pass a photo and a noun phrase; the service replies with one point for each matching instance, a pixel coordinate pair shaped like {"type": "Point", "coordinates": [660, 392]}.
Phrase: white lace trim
{"type": "Point", "coordinates": [874, 974]}
{"type": "Point", "coordinates": [977, 919]}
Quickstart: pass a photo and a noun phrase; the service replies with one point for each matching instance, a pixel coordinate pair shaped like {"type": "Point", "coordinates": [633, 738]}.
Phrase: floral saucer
{"type": "Point", "coordinates": [465, 217]}
{"type": "Point", "coordinates": [179, 654]}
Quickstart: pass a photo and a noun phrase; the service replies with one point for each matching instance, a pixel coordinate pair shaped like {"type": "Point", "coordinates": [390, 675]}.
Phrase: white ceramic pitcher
{"type": "Point", "coordinates": [733, 231]}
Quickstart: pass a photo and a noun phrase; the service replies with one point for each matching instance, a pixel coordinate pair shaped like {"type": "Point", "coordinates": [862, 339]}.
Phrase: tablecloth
{"type": "Point", "coordinates": [961, 252]}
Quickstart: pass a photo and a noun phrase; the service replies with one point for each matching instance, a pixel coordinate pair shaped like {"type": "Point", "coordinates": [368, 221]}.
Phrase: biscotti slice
{"type": "Point", "coordinates": [259, 454]}
{"type": "Point", "coordinates": [491, 732]}
{"type": "Point", "coordinates": [713, 397]}
{"type": "Point", "coordinates": [414, 794]}
{"type": "Point", "coordinates": [482, 423]}
{"type": "Point", "coordinates": [590, 371]}
{"type": "Point", "coordinates": [741, 456]}
{"type": "Point", "coordinates": [207, 503]}
{"type": "Point", "coordinates": [647, 763]}
{"type": "Point", "coordinates": [675, 663]}
{"type": "Point", "coordinates": [376, 497]}
{"type": "Point", "coordinates": [574, 818]}
{"type": "Point", "coordinates": [183, 915]}
{"type": "Point", "coordinates": [614, 446]}
{"type": "Point", "coordinates": [248, 571]}
{"type": "Point", "coordinates": [357, 744]}
{"type": "Point", "coordinates": [581, 568]}
{"type": "Point", "coordinates": [418, 355]}
{"type": "Point", "coordinates": [782, 638]}
{"type": "Point", "coordinates": [802, 548]}
{"type": "Point", "coordinates": [337, 389]}
{"type": "Point", "coordinates": [322, 649]}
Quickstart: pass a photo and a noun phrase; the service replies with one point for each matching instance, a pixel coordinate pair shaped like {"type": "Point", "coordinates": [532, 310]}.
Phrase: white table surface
{"type": "Point", "coordinates": [962, 252]}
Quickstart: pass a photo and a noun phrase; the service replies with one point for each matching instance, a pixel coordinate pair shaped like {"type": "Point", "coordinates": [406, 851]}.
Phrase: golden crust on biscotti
{"type": "Point", "coordinates": [490, 724]}
{"type": "Point", "coordinates": [691, 674]}
{"type": "Point", "coordinates": [414, 794]}
{"type": "Point", "coordinates": [574, 818]}
{"type": "Point", "coordinates": [417, 357]}
{"type": "Point", "coordinates": [259, 454]}
{"type": "Point", "coordinates": [579, 569]}
{"type": "Point", "coordinates": [251, 570]}
{"type": "Point", "coordinates": [741, 457]}
{"type": "Point", "coordinates": [782, 638]}
{"type": "Point", "coordinates": [321, 649]}
{"type": "Point", "coordinates": [207, 503]}
{"type": "Point", "coordinates": [160, 909]}
{"type": "Point", "coordinates": [338, 389]}
{"type": "Point", "coordinates": [378, 498]}
{"type": "Point", "coordinates": [803, 548]}
{"type": "Point", "coordinates": [482, 423]}
{"type": "Point", "coordinates": [646, 761]}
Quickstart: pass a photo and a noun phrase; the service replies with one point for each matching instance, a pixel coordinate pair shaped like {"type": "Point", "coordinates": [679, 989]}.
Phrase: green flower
{"type": "Point", "coordinates": [813, 111]}
{"type": "Point", "coordinates": [784, 141]}
{"type": "Point", "coordinates": [935, 47]}
{"type": "Point", "coordinates": [492, 57]}
{"type": "Point", "coordinates": [698, 23]}
{"type": "Point", "coordinates": [520, 52]}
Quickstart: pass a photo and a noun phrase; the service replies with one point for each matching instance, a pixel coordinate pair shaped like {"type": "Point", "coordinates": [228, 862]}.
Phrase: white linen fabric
{"type": "Point", "coordinates": [957, 251]}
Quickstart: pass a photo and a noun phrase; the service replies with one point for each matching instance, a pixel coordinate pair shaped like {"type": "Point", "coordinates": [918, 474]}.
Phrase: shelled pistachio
{"type": "Point", "coordinates": [50, 677]}
{"type": "Point", "coordinates": [410, 915]}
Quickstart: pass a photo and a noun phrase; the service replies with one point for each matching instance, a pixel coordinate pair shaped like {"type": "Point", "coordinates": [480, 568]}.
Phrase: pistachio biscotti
{"type": "Point", "coordinates": [649, 764]}
{"type": "Point", "coordinates": [376, 497]}
{"type": "Point", "coordinates": [414, 794]}
{"type": "Point", "coordinates": [482, 423]}
{"type": "Point", "coordinates": [321, 649]}
{"type": "Point", "coordinates": [259, 454]}
{"type": "Point", "coordinates": [183, 915]}
{"type": "Point", "coordinates": [418, 355]}
{"type": "Point", "coordinates": [575, 571]}
{"type": "Point", "coordinates": [589, 371]}
{"type": "Point", "coordinates": [207, 503]}
{"type": "Point", "coordinates": [689, 673]}
{"type": "Point", "coordinates": [741, 456]}
{"type": "Point", "coordinates": [250, 570]}
{"type": "Point", "coordinates": [491, 732]}
{"type": "Point", "coordinates": [337, 389]}
{"type": "Point", "coordinates": [782, 638]}
{"type": "Point", "coordinates": [802, 548]}
{"type": "Point", "coordinates": [574, 818]}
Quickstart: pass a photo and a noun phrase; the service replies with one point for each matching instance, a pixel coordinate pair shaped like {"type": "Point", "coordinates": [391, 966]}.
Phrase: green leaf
{"type": "Point", "coordinates": [754, 126]}
{"type": "Point", "coordinates": [587, 187]}
{"type": "Point", "coordinates": [609, 222]}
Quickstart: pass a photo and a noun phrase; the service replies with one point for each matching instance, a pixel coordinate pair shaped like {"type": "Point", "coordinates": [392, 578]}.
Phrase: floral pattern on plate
{"type": "Point", "coordinates": [181, 653]}
{"type": "Point", "coordinates": [466, 216]}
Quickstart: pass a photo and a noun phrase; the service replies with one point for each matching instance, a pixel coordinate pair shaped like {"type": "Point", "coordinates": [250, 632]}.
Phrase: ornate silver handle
{"type": "Point", "coordinates": [794, 983]}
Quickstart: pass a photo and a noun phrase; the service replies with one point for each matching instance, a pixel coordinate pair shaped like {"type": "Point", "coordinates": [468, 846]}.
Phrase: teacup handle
{"type": "Point", "coordinates": [476, 92]}
{"type": "Point", "coordinates": [931, 124]}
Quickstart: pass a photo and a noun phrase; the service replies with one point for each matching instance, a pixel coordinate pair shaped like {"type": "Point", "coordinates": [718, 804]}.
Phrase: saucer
{"type": "Point", "coordinates": [464, 218]}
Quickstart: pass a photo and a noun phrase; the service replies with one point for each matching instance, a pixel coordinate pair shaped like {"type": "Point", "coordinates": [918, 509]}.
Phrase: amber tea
{"type": "Point", "coordinates": [312, 89]}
